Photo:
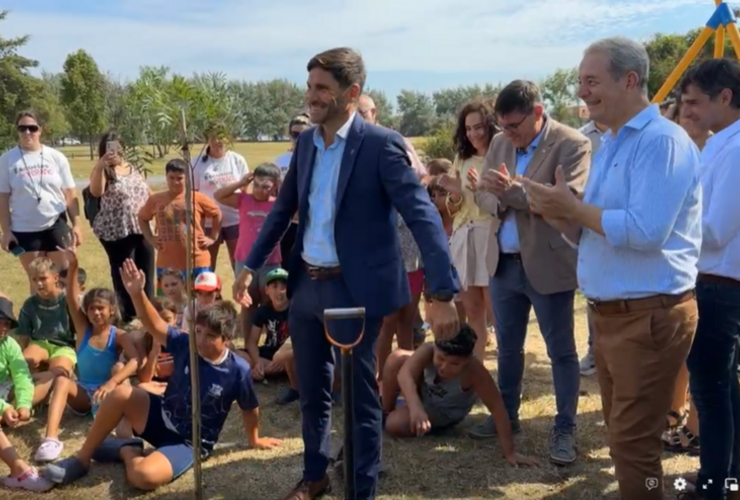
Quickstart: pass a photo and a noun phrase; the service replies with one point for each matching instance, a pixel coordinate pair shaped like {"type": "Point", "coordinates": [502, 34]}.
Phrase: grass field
{"type": "Point", "coordinates": [254, 152]}
{"type": "Point", "coordinates": [446, 467]}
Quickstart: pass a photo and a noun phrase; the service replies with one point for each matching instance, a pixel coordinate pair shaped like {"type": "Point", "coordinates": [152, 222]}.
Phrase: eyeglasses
{"type": "Point", "coordinates": [263, 185]}
{"type": "Point", "coordinates": [25, 129]}
{"type": "Point", "coordinates": [513, 126]}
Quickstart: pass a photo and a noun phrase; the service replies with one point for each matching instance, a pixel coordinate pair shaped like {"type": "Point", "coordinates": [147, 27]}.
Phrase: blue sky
{"type": "Point", "coordinates": [417, 44]}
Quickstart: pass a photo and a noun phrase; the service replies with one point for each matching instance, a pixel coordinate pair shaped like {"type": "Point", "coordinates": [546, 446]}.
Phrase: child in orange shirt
{"type": "Point", "coordinates": [168, 209]}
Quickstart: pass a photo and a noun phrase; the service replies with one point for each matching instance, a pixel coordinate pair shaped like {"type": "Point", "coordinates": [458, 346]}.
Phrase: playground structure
{"type": "Point", "coordinates": [722, 22]}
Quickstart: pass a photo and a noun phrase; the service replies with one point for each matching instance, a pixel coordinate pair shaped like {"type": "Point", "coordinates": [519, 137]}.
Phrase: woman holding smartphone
{"type": "Point", "coordinates": [38, 198]}
{"type": "Point", "coordinates": [122, 191]}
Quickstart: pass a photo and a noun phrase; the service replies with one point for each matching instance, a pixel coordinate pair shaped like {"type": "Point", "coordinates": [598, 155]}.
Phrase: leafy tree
{"type": "Point", "coordinates": [417, 113]}
{"type": "Point", "coordinates": [383, 106]}
{"type": "Point", "coordinates": [83, 96]}
{"type": "Point", "coordinates": [441, 144]}
{"type": "Point", "coordinates": [50, 107]}
{"type": "Point", "coordinates": [560, 93]}
{"type": "Point", "coordinates": [449, 102]}
{"type": "Point", "coordinates": [18, 89]}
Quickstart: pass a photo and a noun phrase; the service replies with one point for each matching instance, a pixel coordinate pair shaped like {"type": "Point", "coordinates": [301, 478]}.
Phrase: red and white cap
{"type": "Point", "coordinates": [207, 282]}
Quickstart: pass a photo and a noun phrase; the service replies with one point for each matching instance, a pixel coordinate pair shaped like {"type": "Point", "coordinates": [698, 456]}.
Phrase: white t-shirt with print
{"type": "Point", "coordinates": [283, 163]}
{"type": "Point", "coordinates": [213, 174]}
{"type": "Point", "coordinates": [35, 182]}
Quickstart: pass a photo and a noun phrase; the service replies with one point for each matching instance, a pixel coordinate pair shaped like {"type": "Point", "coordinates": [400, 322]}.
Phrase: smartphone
{"type": "Point", "coordinates": [111, 147]}
{"type": "Point", "coordinates": [15, 249]}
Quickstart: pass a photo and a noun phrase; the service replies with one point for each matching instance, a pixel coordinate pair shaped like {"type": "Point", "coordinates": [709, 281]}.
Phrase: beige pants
{"type": "Point", "coordinates": [639, 351]}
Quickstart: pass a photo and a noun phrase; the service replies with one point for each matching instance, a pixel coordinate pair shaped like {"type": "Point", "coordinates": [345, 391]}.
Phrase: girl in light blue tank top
{"type": "Point", "coordinates": [94, 366]}
{"type": "Point", "coordinates": [98, 349]}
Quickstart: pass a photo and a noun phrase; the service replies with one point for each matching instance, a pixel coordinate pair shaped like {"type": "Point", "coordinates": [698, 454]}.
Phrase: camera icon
{"type": "Point", "coordinates": [731, 484]}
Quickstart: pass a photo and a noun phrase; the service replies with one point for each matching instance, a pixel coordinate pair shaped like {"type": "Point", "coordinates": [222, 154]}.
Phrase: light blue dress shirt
{"type": "Point", "coordinates": [646, 180]}
{"type": "Point", "coordinates": [508, 234]}
{"type": "Point", "coordinates": [319, 246]}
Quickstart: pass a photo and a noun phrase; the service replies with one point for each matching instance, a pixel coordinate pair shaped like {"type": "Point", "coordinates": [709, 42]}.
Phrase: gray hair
{"type": "Point", "coordinates": [625, 56]}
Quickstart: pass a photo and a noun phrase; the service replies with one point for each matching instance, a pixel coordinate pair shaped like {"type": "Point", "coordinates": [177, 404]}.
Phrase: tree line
{"type": "Point", "coordinates": [81, 101]}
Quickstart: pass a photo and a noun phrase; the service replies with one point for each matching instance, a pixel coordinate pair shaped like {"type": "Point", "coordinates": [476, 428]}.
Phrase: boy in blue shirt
{"type": "Point", "coordinates": [165, 421]}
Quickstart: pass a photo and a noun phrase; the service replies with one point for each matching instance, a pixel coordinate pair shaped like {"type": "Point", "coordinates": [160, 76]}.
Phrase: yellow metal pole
{"type": "Point", "coordinates": [719, 38]}
{"type": "Point", "coordinates": [688, 58]}
{"type": "Point", "coordinates": [734, 35]}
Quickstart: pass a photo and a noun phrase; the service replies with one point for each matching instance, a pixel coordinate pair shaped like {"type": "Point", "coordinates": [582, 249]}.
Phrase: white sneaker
{"type": "Point", "coordinates": [29, 480]}
{"type": "Point", "coordinates": [588, 365]}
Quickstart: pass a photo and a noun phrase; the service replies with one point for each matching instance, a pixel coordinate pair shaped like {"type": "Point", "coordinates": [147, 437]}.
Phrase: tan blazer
{"type": "Point", "coordinates": [550, 263]}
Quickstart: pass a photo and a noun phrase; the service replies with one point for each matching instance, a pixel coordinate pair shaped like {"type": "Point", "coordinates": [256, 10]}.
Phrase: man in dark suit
{"type": "Point", "coordinates": [347, 179]}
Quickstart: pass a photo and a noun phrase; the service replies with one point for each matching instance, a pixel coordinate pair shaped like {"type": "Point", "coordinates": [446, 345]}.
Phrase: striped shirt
{"type": "Point", "coordinates": [646, 181]}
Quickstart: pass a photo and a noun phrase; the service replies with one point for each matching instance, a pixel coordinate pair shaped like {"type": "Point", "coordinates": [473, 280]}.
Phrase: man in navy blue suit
{"type": "Point", "coordinates": [348, 181]}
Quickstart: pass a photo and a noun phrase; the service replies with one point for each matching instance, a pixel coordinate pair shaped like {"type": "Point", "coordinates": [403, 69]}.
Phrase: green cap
{"type": "Point", "coordinates": [276, 274]}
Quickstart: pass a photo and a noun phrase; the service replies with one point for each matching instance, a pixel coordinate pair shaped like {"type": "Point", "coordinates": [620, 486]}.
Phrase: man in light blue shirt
{"type": "Point", "coordinates": [639, 227]}
{"type": "Point", "coordinates": [595, 133]}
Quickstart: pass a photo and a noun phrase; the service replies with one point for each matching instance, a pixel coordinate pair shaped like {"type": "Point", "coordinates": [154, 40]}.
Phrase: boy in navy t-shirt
{"type": "Point", "coordinates": [165, 422]}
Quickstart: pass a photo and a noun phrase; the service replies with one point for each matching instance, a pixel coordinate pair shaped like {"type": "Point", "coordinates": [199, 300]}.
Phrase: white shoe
{"type": "Point", "coordinates": [588, 365]}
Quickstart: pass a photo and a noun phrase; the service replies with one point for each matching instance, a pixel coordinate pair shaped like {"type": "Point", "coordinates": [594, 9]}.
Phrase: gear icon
{"type": "Point", "coordinates": [679, 484]}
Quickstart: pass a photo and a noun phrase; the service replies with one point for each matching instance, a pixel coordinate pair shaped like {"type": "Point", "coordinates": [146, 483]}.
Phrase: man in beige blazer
{"type": "Point", "coordinates": [534, 266]}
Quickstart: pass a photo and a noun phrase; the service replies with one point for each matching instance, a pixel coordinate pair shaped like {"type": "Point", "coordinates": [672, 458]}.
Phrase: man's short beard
{"type": "Point", "coordinates": [335, 109]}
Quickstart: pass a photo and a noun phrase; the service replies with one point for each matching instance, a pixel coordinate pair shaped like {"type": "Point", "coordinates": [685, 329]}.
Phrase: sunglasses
{"type": "Point", "coordinates": [24, 129]}
{"type": "Point", "coordinates": [294, 134]}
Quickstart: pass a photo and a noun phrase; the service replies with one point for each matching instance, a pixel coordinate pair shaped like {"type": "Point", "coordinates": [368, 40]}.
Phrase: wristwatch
{"type": "Point", "coordinates": [443, 296]}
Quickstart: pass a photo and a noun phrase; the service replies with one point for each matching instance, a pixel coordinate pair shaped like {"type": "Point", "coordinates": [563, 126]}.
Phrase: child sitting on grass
{"type": "Point", "coordinates": [81, 280]}
{"type": "Point", "coordinates": [98, 347]}
{"type": "Point", "coordinates": [16, 384]}
{"type": "Point", "coordinates": [275, 356]}
{"type": "Point", "coordinates": [173, 288]}
{"type": "Point", "coordinates": [166, 422]}
{"type": "Point", "coordinates": [44, 330]}
{"type": "Point", "coordinates": [157, 362]}
{"type": "Point", "coordinates": [440, 383]}
{"type": "Point", "coordinates": [16, 394]}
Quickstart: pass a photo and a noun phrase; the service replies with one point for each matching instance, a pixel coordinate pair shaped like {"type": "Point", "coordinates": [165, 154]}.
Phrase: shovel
{"type": "Point", "coordinates": [347, 395]}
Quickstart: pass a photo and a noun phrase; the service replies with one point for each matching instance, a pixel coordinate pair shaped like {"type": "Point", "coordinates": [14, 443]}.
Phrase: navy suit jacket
{"type": "Point", "coordinates": [376, 182]}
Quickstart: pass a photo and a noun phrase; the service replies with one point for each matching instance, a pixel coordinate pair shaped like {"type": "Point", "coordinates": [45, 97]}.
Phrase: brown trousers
{"type": "Point", "coordinates": [640, 346]}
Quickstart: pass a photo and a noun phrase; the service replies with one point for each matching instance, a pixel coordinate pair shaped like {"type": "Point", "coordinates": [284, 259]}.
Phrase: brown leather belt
{"type": "Point", "coordinates": [317, 273]}
{"type": "Point", "coordinates": [608, 307]}
{"type": "Point", "coordinates": [713, 279]}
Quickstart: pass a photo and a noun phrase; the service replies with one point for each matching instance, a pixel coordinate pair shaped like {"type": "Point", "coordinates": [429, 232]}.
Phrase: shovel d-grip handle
{"type": "Point", "coordinates": [340, 314]}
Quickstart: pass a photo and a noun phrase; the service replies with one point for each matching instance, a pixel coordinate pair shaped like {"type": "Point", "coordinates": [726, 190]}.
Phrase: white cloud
{"type": "Point", "coordinates": [279, 36]}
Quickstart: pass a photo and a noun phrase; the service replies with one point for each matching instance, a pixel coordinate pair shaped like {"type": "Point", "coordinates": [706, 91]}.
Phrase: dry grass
{"type": "Point", "coordinates": [447, 467]}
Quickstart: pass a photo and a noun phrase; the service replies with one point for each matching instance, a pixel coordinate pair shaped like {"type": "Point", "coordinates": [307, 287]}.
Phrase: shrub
{"type": "Point", "coordinates": [441, 144]}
